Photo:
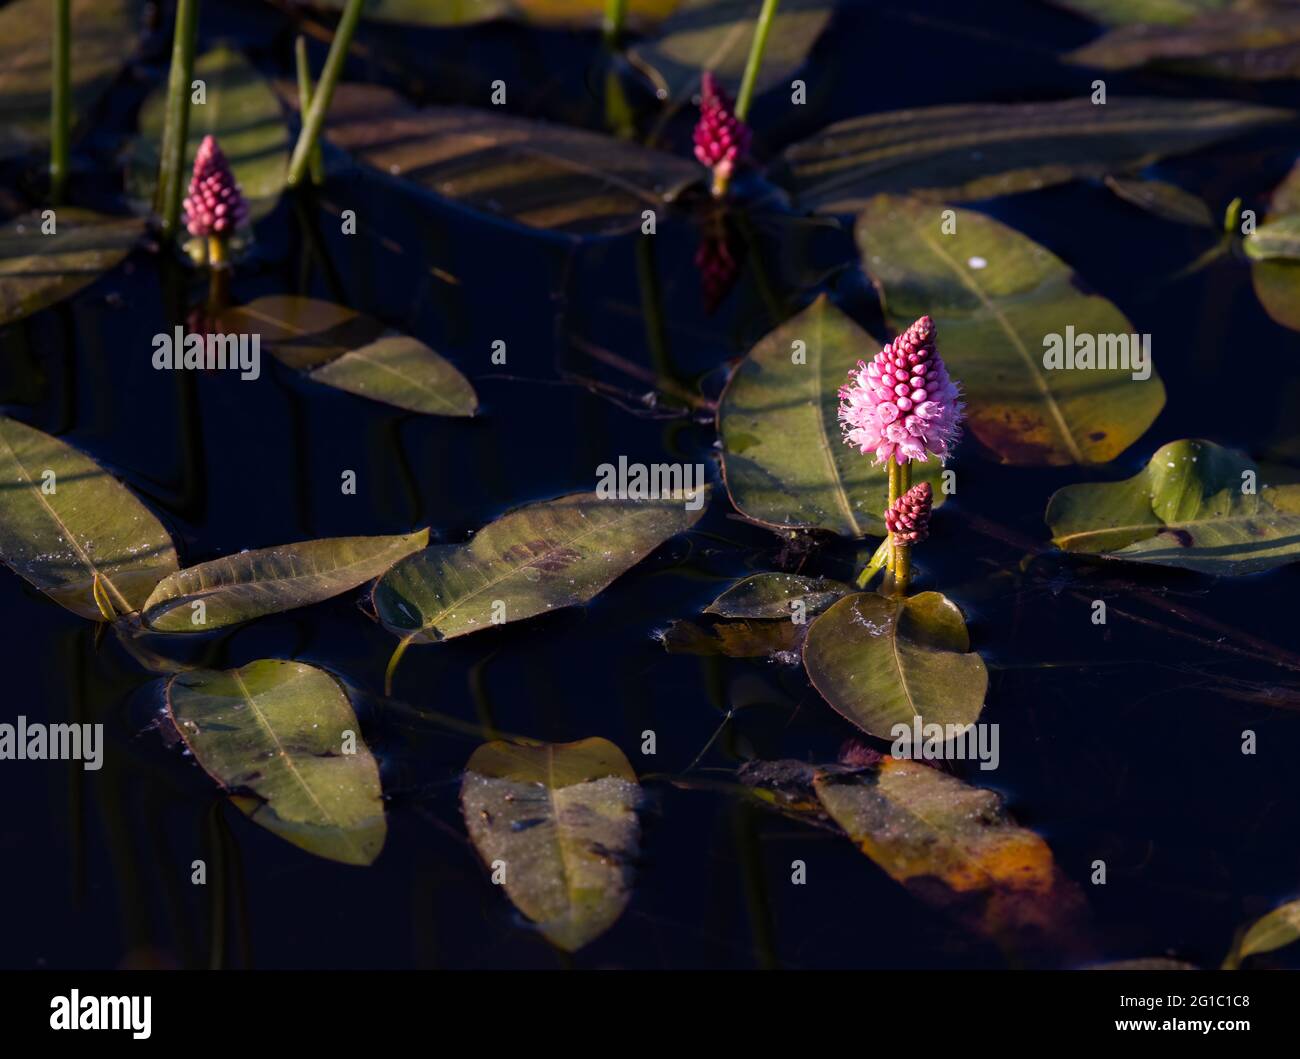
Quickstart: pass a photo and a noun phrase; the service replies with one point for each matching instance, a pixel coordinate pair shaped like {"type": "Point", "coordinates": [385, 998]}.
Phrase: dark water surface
{"type": "Point", "coordinates": [1119, 742]}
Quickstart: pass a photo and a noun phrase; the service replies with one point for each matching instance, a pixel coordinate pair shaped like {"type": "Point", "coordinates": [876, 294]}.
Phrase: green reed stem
{"type": "Point", "coordinates": [176, 126]}
{"type": "Point", "coordinates": [763, 27]}
{"type": "Point", "coordinates": [314, 119]}
{"type": "Point", "coordinates": [315, 165]}
{"type": "Point", "coordinates": [615, 14]}
{"type": "Point", "coordinates": [60, 100]}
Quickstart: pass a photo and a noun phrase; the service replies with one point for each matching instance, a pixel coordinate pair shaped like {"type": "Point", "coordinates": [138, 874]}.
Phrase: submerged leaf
{"type": "Point", "coordinates": [783, 458]}
{"type": "Point", "coordinates": [66, 525]}
{"type": "Point", "coordinates": [1166, 201]}
{"type": "Point", "coordinates": [776, 595]}
{"type": "Point", "coordinates": [955, 846]}
{"type": "Point", "coordinates": [981, 150]}
{"type": "Point", "coordinates": [532, 173]}
{"type": "Point", "coordinates": [242, 111]}
{"type": "Point", "coordinates": [283, 739]}
{"type": "Point", "coordinates": [1189, 508]}
{"type": "Point", "coordinates": [100, 46]}
{"type": "Point", "coordinates": [1000, 302]}
{"type": "Point", "coordinates": [559, 821]}
{"type": "Point", "coordinates": [538, 558]}
{"type": "Point", "coordinates": [777, 640]}
{"type": "Point", "coordinates": [248, 585]}
{"type": "Point", "coordinates": [37, 270]}
{"type": "Point", "coordinates": [881, 662]}
{"type": "Point", "coordinates": [355, 353]}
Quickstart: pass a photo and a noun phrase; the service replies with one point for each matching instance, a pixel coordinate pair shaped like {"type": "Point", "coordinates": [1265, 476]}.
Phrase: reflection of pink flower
{"type": "Point", "coordinates": [215, 205]}
{"type": "Point", "coordinates": [902, 405]}
{"type": "Point", "coordinates": [718, 268]}
{"type": "Point", "coordinates": [908, 519]}
{"type": "Point", "coordinates": [721, 138]}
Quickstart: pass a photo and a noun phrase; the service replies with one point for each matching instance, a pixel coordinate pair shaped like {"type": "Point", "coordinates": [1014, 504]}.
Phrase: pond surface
{"type": "Point", "coordinates": [1119, 742]}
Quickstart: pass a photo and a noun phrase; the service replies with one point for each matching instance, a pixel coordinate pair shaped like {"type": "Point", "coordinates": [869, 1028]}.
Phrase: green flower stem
{"type": "Point", "coordinates": [894, 472]}
{"type": "Point", "coordinates": [902, 552]}
{"type": "Point", "coordinates": [615, 13]}
{"type": "Point", "coordinates": [315, 165]}
{"type": "Point", "coordinates": [176, 127]}
{"type": "Point", "coordinates": [60, 99]}
{"type": "Point", "coordinates": [314, 120]}
{"type": "Point", "coordinates": [764, 26]}
{"type": "Point", "coordinates": [879, 559]}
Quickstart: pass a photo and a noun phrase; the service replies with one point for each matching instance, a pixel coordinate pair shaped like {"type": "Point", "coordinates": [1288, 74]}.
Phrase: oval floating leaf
{"type": "Point", "coordinates": [955, 846]}
{"type": "Point", "coordinates": [1186, 508]}
{"type": "Point", "coordinates": [1128, 12]}
{"type": "Point", "coordinates": [101, 44]}
{"type": "Point", "coordinates": [38, 269]}
{"type": "Point", "coordinates": [539, 558]}
{"type": "Point", "coordinates": [1279, 238]}
{"type": "Point", "coordinates": [561, 818]}
{"type": "Point", "coordinates": [355, 353]}
{"type": "Point", "coordinates": [882, 662]}
{"type": "Point", "coordinates": [531, 173]}
{"type": "Point", "coordinates": [248, 585]}
{"type": "Point", "coordinates": [1256, 46]}
{"type": "Point", "coordinates": [66, 523]}
{"type": "Point", "coordinates": [783, 457]}
{"type": "Point", "coordinates": [242, 111]}
{"type": "Point", "coordinates": [1280, 927]}
{"type": "Point", "coordinates": [282, 737]}
{"type": "Point", "coordinates": [772, 596]}
{"type": "Point", "coordinates": [716, 35]}
{"type": "Point", "coordinates": [999, 300]}
{"type": "Point", "coordinates": [981, 150]}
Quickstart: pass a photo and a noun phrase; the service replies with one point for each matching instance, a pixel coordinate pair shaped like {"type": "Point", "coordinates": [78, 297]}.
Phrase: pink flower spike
{"type": "Point", "coordinates": [902, 406]}
{"type": "Point", "coordinates": [214, 205]}
{"type": "Point", "coordinates": [908, 519]}
{"type": "Point", "coordinates": [721, 138]}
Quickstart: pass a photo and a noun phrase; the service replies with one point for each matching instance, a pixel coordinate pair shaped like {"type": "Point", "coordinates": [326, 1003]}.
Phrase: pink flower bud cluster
{"type": "Point", "coordinates": [214, 205]}
{"type": "Point", "coordinates": [721, 138]}
{"type": "Point", "coordinates": [908, 518]}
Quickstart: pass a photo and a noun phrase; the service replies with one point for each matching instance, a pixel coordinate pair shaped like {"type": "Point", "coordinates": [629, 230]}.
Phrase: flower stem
{"type": "Point", "coordinates": [761, 29]}
{"type": "Point", "coordinates": [894, 493]}
{"type": "Point", "coordinates": [879, 559]}
{"type": "Point", "coordinates": [314, 120]}
{"type": "Point", "coordinates": [902, 552]}
{"type": "Point", "coordinates": [176, 127]}
{"type": "Point", "coordinates": [60, 100]}
{"type": "Point", "coordinates": [615, 13]}
{"type": "Point", "coordinates": [304, 104]}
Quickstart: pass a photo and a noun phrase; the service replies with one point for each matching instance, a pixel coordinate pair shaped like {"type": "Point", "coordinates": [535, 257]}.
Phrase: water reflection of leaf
{"type": "Point", "coordinates": [556, 824]}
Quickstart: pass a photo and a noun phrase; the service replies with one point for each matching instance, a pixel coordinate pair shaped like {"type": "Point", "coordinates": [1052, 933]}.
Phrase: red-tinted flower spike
{"type": "Point", "coordinates": [721, 138]}
{"type": "Point", "coordinates": [909, 517]}
{"type": "Point", "coordinates": [214, 205]}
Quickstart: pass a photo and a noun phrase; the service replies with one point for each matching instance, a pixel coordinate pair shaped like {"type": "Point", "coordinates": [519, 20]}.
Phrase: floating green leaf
{"type": "Point", "coordinates": [773, 596]}
{"type": "Point", "coordinates": [559, 820]}
{"type": "Point", "coordinates": [1195, 505]}
{"type": "Point", "coordinates": [1258, 45]}
{"type": "Point", "coordinates": [1280, 927]}
{"type": "Point", "coordinates": [999, 300]}
{"type": "Point", "coordinates": [532, 173]}
{"type": "Point", "coordinates": [349, 351]}
{"type": "Point", "coordinates": [101, 44]}
{"type": "Point", "coordinates": [242, 111]}
{"type": "Point", "coordinates": [955, 846]}
{"type": "Point", "coordinates": [981, 150]}
{"type": "Point", "coordinates": [1279, 238]}
{"type": "Point", "coordinates": [1275, 270]}
{"type": "Point", "coordinates": [468, 12]}
{"type": "Point", "coordinates": [283, 739]}
{"type": "Point", "coordinates": [783, 457]}
{"type": "Point", "coordinates": [715, 35]}
{"type": "Point", "coordinates": [39, 269]}
{"type": "Point", "coordinates": [1166, 201]}
{"type": "Point", "coordinates": [882, 661]}
{"type": "Point", "coordinates": [1133, 12]}
{"type": "Point", "coordinates": [65, 523]}
{"type": "Point", "coordinates": [250, 584]}
{"type": "Point", "coordinates": [542, 557]}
